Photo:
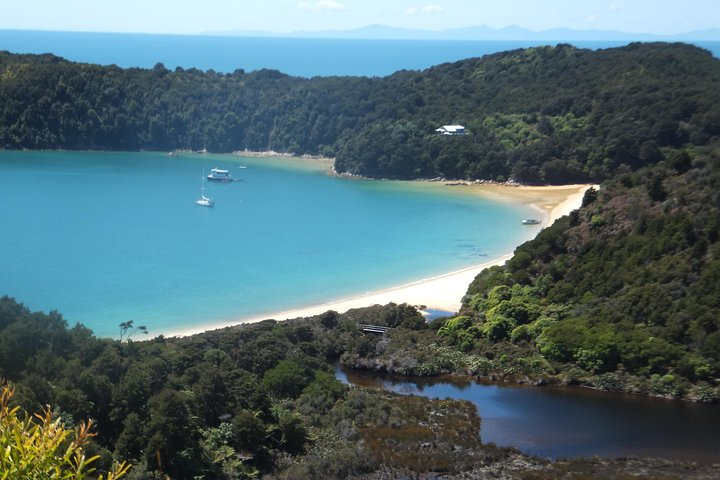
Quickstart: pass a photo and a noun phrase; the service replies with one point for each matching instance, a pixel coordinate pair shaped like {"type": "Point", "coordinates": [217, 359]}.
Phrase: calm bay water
{"type": "Point", "coordinates": [109, 237]}
{"type": "Point", "coordinates": [305, 57]}
{"type": "Point", "coordinates": [572, 422]}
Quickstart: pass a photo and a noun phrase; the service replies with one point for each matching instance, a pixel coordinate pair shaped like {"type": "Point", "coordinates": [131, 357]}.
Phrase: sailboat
{"type": "Point", "coordinates": [204, 201]}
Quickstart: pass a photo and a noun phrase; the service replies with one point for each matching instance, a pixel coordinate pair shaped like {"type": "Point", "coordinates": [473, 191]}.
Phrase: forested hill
{"type": "Point", "coordinates": [539, 115]}
{"type": "Point", "coordinates": [623, 293]}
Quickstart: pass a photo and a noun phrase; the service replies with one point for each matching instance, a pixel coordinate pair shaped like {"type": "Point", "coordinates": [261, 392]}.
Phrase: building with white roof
{"type": "Point", "coordinates": [451, 130]}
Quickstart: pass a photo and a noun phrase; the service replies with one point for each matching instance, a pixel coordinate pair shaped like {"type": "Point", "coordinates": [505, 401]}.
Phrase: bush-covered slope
{"type": "Point", "coordinates": [627, 285]}
{"type": "Point", "coordinates": [550, 115]}
{"type": "Point", "coordinates": [547, 114]}
{"type": "Point", "coordinates": [230, 404]}
{"type": "Point", "coordinates": [260, 401]}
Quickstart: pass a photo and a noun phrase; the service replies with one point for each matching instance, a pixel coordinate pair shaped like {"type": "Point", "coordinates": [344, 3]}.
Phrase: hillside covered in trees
{"type": "Point", "coordinates": [539, 115]}
{"type": "Point", "coordinates": [626, 287]}
{"type": "Point", "coordinates": [621, 295]}
{"type": "Point", "coordinates": [257, 401]}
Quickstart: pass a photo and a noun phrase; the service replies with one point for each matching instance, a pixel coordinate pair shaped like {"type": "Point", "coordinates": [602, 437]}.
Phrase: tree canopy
{"type": "Point", "coordinates": [538, 115]}
{"type": "Point", "coordinates": [626, 285]}
{"type": "Point", "coordinates": [40, 446]}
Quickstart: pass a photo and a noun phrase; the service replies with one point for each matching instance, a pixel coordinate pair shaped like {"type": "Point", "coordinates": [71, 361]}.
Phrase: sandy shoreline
{"type": "Point", "coordinates": [442, 292]}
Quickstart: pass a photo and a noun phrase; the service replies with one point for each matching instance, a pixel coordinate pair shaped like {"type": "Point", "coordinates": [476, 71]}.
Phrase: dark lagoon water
{"type": "Point", "coordinates": [305, 57]}
{"type": "Point", "coordinates": [556, 422]}
{"type": "Point", "coordinates": [107, 237]}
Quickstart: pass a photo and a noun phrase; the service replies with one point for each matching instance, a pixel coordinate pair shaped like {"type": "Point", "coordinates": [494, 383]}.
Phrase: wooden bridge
{"type": "Point", "coordinates": [374, 329]}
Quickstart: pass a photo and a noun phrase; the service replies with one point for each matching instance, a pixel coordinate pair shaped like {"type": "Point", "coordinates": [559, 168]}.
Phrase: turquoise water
{"type": "Point", "coordinates": [108, 237]}
{"type": "Point", "coordinates": [305, 57]}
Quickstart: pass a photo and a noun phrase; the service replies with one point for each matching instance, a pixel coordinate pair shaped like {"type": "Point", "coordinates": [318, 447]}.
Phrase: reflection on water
{"type": "Point", "coordinates": [573, 422]}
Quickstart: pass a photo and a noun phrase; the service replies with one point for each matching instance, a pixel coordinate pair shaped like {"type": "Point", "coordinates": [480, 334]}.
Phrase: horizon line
{"type": "Point", "coordinates": [417, 34]}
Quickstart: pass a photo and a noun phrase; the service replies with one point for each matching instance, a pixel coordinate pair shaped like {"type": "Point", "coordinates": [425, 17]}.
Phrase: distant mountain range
{"type": "Point", "coordinates": [482, 32]}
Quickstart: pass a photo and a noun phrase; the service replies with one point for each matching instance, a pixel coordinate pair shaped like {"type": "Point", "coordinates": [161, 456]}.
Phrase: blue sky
{"type": "Point", "coordinates": [283, 16]}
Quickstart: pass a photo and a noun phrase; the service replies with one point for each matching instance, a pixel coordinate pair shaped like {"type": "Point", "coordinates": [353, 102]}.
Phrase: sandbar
{"type": "Point", "coordinates": [443, 292]}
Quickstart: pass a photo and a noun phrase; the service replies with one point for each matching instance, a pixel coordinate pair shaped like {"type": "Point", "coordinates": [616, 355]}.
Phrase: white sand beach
{"type": "Point", "coordinates": [443, 292]}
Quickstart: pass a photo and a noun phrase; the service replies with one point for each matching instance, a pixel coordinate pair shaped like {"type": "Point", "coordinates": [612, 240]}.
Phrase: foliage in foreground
{"type": "Point", "coordinates": [232, 404]}
{"type": "Point", "coordinates": [260, 401]}
{"type": "Point", "coordinates": [39, 446]}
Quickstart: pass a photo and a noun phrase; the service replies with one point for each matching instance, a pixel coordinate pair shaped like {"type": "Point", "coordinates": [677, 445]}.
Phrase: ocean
{"type": "Point", "coordinates": [304, 57]}
{"type": "Point", "coordinates": [107, 237]}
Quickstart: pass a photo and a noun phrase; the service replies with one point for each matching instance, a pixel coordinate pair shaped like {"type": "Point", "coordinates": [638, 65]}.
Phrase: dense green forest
{"type": "Point", "coordinates": [235, 403]}
{"type": "Point", "coordinates": [539, 115]}
{"type": "Point", "coordinates": [261, 401]}
{"type": "Point", "coordinates": [627, 286]}
{"type": "Point", "coordinates": [621, 295]}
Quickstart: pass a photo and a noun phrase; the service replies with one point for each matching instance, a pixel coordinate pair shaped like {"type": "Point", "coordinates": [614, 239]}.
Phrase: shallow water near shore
{"type": "Point", "coordinates": [106, 237]}
{"type": "Point", "coordinates": [557, 422]}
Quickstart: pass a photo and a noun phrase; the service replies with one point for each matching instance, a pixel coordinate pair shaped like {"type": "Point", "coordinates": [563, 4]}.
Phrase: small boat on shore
{"type": "Point", "coordinates": [220, 175]}
{"type": "Point", "coordinates": [530, 221]}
